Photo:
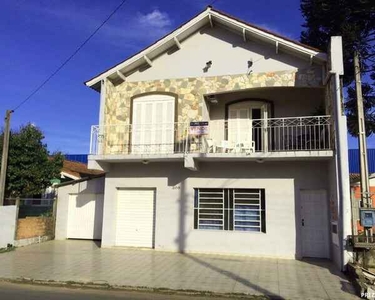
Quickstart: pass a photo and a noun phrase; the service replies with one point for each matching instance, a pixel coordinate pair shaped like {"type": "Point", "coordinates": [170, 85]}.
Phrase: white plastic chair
{"type": "Point", "coordinates": [226, 146]}
{"type": "Point", "coordinates": [248, 147]}
{"type": "Point", "coordinates": [210, 146]}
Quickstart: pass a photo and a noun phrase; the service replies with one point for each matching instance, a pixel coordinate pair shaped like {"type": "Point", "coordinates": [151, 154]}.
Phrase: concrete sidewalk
{"type": "Point", "coordinates": [84, 261]}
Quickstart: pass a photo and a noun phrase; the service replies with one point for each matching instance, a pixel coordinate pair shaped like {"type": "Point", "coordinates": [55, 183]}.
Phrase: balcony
{"type": "Point", "coordinates": [272, 137]}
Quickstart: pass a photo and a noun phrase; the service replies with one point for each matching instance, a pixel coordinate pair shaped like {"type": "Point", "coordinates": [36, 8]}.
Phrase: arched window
{"type": "Point", "coordinates": [153, 117]}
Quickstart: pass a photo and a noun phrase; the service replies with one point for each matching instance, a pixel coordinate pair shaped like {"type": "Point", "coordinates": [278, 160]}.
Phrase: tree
{"type": "Point", "coordinates": [368, 96]}
{"type": "Point", "coordinates": [354, 20]}
{"type": "Point", "coordinates": [30, 167]}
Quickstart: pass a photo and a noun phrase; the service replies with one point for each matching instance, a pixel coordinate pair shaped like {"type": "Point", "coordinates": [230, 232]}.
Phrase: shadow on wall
{"type": "Point", "coordinates": [259, 49]}
{"type": "Point", "coordinates": [97, 200]}
{"type": "Point", "coordinates": [181, 244]}
{"type": "Point", "coordinates": [181, 241]}
{"type": "Point", "coordinates": [306, 75]}
{"type": "Point", "coordinates": [297, 222]}
{"type": "Point", "coordinates": [184, 206]}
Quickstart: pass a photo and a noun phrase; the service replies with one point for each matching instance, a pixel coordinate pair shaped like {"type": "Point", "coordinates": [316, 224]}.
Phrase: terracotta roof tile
{"type": "Point", "coordinates": [354, 177]}
{"type": "Point", "coordinates": [78, 169]}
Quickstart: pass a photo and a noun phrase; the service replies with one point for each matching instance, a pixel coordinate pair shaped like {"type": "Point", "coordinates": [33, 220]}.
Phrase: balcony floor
{"type": "Point", "coordinates": [275, 156]}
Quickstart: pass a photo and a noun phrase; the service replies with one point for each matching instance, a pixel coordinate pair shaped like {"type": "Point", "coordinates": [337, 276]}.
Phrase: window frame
{"type": "Point", "coordinates": [229, 204]}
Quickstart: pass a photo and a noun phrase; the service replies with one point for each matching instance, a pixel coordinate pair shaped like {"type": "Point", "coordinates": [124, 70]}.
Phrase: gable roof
{"type": "Point", "coordinates": [212, 17]}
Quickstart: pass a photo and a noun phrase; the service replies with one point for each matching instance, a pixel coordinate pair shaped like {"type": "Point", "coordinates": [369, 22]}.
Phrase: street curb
{"type": "Point", "coordinates": [106, 286]}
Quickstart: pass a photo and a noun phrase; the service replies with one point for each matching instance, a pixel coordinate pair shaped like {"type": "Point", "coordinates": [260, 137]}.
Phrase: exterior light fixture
{"type": "Point", "coordinates": [145, 162]}
{"type": "Point", "coordinates": [208, 65]}
{"type": "Point", "coordinates": [212, 99]}
{"type": "Point", "coordinates": [249, 65]}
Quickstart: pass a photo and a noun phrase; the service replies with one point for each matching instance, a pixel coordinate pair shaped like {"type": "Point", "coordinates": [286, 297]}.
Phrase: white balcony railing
{"type": "Point", "coordinates": [233, 136]}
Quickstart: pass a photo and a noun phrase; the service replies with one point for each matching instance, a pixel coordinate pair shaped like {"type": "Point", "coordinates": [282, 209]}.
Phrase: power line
{"type": "Point", "coordinates": [70, 57]}
{"type": "Point", "coordinates": [212, 2]}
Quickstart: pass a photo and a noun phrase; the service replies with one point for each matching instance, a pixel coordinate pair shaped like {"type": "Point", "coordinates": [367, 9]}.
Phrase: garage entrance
{"type": "Point", "coordinates": [135, 218]}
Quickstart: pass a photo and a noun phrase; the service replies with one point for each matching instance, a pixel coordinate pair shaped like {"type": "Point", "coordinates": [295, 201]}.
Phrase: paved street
{"type": "Point", "coordinates": [84, 261]}
{"type": "Point", "coordinates": [11, 291]}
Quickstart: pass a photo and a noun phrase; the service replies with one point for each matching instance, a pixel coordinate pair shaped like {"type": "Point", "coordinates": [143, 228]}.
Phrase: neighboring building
{"type": "Point", "coordinates": [263, 168]}
{"type": "Point", "coordinates": [354, 161]}
{"type": "Point", "coordinates": [83, 158]}
{"type": "Point", "coordinates": [355, 188]}
{"type": "Point", "coordinates": [355, 184]}
{"type": "Point", "coordinates": [71, 170]}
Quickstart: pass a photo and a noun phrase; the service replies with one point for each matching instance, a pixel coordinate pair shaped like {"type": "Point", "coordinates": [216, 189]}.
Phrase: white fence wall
{"type": "Point", "coordinates": [8, 215]}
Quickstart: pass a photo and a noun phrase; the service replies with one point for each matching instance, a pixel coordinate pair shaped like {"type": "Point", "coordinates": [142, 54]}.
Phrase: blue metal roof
{"type": "Point", "coordinates": [77, 157]}
{"type": "Point", "coordinates": [354, 160]}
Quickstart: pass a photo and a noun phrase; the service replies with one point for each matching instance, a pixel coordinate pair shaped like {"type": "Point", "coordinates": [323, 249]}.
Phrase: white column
{"type": "Point", "coordinates": [101, 131]}
{"type": "Point", "coordinates": [342, 164]}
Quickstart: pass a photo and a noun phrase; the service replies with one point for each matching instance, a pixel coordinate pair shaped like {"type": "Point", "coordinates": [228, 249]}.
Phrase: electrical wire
{"type": "Point", "coordinates": [212, 2]}
{"type": "Point", "coordinates": [69, 58]}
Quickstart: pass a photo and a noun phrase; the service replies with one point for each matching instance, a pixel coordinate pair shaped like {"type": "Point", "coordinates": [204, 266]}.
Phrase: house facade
{"type": "Point", "coordinates": [223, 137]}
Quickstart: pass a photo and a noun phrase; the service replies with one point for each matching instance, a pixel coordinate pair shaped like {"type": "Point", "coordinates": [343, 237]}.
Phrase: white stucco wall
{"type": "Point", "coordinates": [8, 216]}
{"type": "Point", "coordinates": [227, 51]}
{"type": "Point", "coordinates": [94, 186]}
{"type": "Point", "coordinates": [175, 185]}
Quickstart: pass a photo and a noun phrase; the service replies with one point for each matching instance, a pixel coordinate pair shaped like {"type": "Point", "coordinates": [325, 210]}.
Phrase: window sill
{"type": "Point", "coordinates": [229, 231]}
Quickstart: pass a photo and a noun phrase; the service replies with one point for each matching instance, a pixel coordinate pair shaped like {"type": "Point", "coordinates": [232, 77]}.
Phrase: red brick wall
{"type": "Point", "coordinates": [30, 227]}
{"type": "Point", "coordinates": [357, 196]}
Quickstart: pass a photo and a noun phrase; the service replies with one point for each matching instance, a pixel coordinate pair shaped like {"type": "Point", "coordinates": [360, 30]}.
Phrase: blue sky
{"type": "Point", "coordinates": [38, 35]}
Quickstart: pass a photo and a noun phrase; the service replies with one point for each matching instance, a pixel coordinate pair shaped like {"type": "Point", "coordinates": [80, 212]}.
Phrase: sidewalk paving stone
{"type": "Point", "coordinates": [85, 261]}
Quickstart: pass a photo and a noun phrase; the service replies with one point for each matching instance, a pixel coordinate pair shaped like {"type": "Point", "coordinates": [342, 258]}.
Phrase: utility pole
{"type": "Point", "coordinates": [4, 159]}
{"type": "Point", "coordinates": [365, 184]}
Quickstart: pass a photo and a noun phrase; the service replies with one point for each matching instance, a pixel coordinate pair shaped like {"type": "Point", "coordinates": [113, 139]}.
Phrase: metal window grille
{"type": "Point", "coordinates": [230, 209]}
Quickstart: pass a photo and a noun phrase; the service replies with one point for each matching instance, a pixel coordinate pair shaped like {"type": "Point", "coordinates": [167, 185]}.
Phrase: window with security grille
{"type": "Point", "coordinates": [230, 209]}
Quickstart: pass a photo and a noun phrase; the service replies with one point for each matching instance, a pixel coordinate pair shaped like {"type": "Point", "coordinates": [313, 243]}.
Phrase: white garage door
{"type": "Point", "coordinates": [85, 216]}
{"type": "Point", "coordinates": [135, 218]}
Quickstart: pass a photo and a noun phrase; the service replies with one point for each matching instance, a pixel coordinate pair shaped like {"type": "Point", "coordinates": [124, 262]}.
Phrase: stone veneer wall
{"type": "Point", "coordinates": [190, 92]}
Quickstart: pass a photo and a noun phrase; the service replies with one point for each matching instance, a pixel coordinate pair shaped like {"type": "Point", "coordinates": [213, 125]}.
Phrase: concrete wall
{"type": "Point", "coordinates": [175, 185]}
{"type": "Point", "coordinates": [334, 214]}
{"type": "Point", "coordinates": [227, 51]}
{"type": "Point", "coordinates": [94, 186]}
{"type": "Point", "coordinates": [8, 215]}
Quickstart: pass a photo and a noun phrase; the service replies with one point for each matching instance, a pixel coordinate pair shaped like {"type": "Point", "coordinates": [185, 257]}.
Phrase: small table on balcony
{"type": "Point", "coordinates": [223, 149]}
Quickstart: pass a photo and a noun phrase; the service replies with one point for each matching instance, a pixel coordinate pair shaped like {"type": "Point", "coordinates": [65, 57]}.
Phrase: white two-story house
{"type": "Point", "coordinates": [223, 137]}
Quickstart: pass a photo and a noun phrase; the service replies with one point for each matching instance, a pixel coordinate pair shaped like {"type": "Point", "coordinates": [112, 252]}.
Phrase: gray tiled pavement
{"type": "Point", "coordinates": [84, 261]}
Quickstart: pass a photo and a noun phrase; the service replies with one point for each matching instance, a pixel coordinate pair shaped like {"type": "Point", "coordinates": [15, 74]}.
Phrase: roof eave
{"type": "Point", "coordinates": [72, 182]}
{"type": "Point", "coordinates": [167, 38]}
{"type": "Point", "coordinates": [204, 17]}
